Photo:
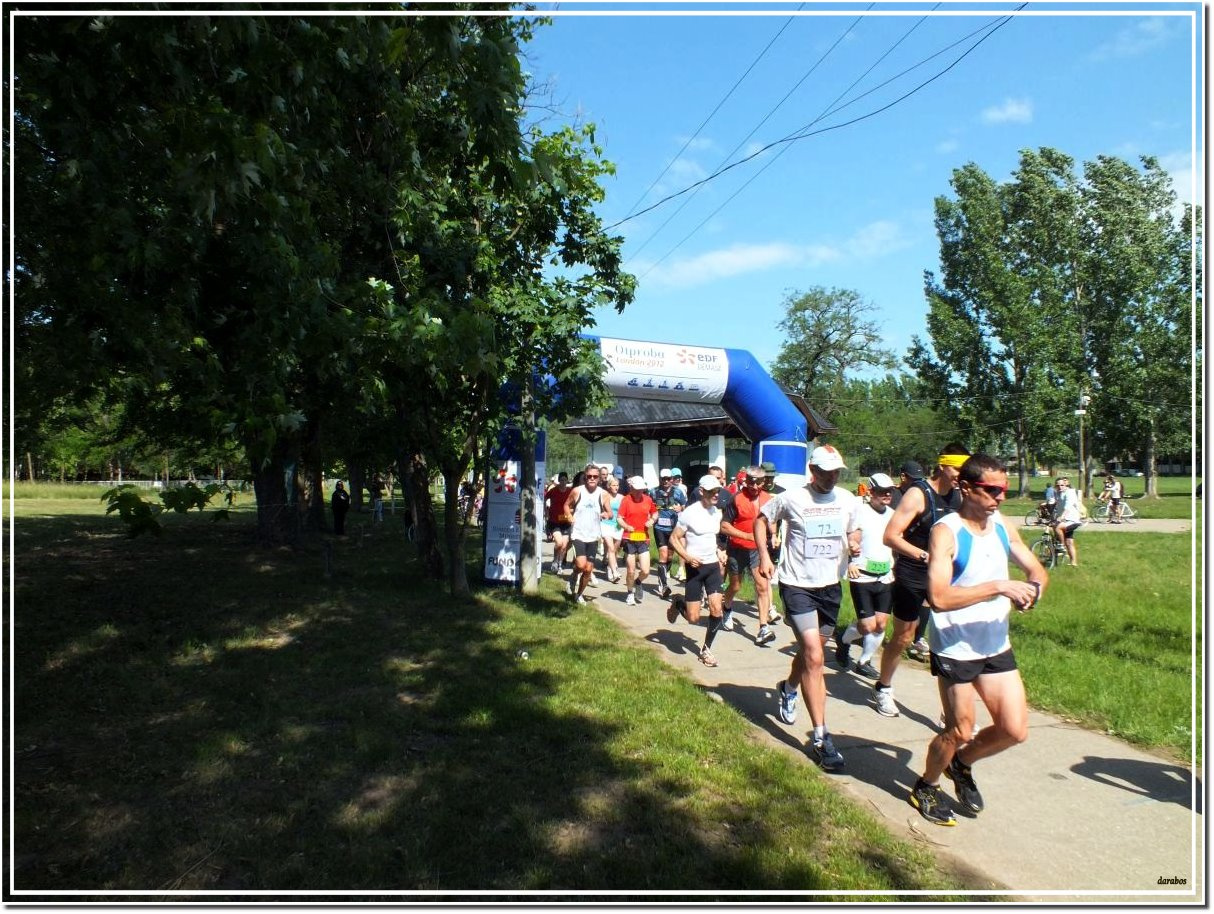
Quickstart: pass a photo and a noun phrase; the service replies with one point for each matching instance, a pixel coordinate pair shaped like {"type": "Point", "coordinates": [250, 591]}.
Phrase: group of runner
{"type": "Point", "coordinates": [933, 552]}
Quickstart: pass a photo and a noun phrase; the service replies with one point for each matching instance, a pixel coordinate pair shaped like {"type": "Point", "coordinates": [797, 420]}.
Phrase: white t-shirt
{"type": "Point", "coordinates": [980, 630]}
{"type": "Point", "coordinates": [815, 543]}
{"type": "Point", "coordinates": [876, 560]}
{"type": "Point", "coordinates": [1068, 507]}
{"type": "Point", "coordinates": [700, 527]}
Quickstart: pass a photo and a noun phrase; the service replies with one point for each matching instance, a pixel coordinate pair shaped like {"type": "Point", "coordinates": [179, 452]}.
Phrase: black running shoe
{"type": "Point", "coordinates": [964, 786]}
{"type": "Point", "coordinates": [842, 654]}
{"type": "Point", "coordinates": [931, 803]}
{"type": "Point", "coordinates": [824, 754]}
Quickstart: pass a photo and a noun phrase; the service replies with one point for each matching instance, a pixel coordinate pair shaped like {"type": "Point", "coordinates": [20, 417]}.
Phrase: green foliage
{"type": "Point", "coordinates": [141, 516]}
{"type": "Point", "coordinates": [827, 335]}
{"type": "Point", "coordinates": [884, 422]}
{"type": "Point", "coordinates": [1052, 288]}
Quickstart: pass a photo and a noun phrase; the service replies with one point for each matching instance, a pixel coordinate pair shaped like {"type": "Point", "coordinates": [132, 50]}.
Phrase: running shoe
{"type": "Point", "coordinates": [964, 786]}
{"type": "Point", "coordinates": [931, 803]}
{"type": "Point", "coordinates": [824, 754]}
{"type": "Point", "coordinates": [842, 653]}
{"type": "Point", "coordinates": [707, 658]}
{"type": "Point", "coordinates": [727, 621]}
{"type": "Point", "coordinates": [630, 600]}
{"type": "Point", "coordinates": [571, 587]}
{"type": "Point", "coordinates": [765, 635]}
{"type": "Point", "coordinates": [773, 617]}
{"type": "Point", "coordinates": [868, 670]}
{"type": "Point", "coordinates": [885, 701]}
{"type": "Point", "coordinates": [555, 568]}
{"type": "Point", "coordinates": [667, 593]}
{"type": "Point", "coordinates": [638, 593]}
{"type": "Point", "coordinates": [676, 608]}
{"type": "Point", "coordinates": [919, 650]}
{"type": "Point", "coordinates": [788, 703]}
{"type": "Point", "coordinates": [581, 598]}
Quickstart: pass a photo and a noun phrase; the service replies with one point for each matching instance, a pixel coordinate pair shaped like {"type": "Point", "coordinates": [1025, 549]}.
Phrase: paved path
{"type": "Point", "coordinates": [1072, 815]}
{"type": "Point", "coordinates": [1142, 525]}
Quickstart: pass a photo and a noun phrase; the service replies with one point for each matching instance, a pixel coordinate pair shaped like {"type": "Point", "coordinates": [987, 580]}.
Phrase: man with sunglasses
{"type": "Point", "coordinates": [670, 501]}
{"type": "Point", "coordinates": [923, 503]}
{"type": "Point", "coordinates": [590, 506]}
{"type": "Point", "coordinates": [819, 516]}
{"type": "Point", "coordinates": [742, 554]}
{"type": "Point", "coordinates": [1069, 517]}
{"type": "Point", "coordinates": [971, 653]}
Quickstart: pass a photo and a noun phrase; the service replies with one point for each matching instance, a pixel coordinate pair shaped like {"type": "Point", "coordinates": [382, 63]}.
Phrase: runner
{"type": "Point", "coordinates": [742, 554]}
{"type": "Point", "coordinates": [670, 501]}
{"type": "Point", "coordinates": [907, 534]}
{"type": "Point", "coordinates": [611, 530]}
{"type": "Point", "coordinates": [870, 578]}
{"type": "Point", "coordinates": [559, 522]}
{"type": "Point", "coordinates": [820, 516]}
{"type": "Point", "coordinates": [971, 653]}
{"type": "Point", "coordinates": [695, 541]}
{"type": "Point", "coordinates": [636, 515]}
{"type": "Point", "coordinates": [590, 506]}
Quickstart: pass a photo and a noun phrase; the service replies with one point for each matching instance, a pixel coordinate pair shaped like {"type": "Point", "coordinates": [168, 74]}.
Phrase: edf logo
{"type": "Point", "coordinates": [701, 359]}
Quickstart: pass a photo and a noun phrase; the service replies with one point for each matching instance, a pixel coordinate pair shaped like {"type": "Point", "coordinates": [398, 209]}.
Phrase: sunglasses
{"type": "Point", "coordinates": [883, 493]}
{"type": "Point", "coordinates": [992, 491]}
{"type": "Point", "coordinates": [594, 476]}
{"type": "Point", "coordinates": [752, 481]}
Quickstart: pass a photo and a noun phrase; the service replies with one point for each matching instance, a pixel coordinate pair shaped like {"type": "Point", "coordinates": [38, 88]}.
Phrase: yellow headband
{"type": "Point", "coordinates": [952, 460]}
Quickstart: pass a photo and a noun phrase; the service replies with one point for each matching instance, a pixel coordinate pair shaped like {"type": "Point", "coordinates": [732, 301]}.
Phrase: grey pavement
{"type": "Point", "coordinates": [1072, 815]}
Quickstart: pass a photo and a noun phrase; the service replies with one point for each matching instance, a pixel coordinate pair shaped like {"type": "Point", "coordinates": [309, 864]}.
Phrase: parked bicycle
{"type": "Point", "coordinates": [1103, 514]}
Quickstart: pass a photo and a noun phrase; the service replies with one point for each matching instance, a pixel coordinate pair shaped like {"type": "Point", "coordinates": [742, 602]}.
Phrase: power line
{"type": "Point", "coordinates": [712, 114]}
{"type": "Point", "coordinates": [753, 131]}
{"type": "Point", "coordinates": [792, 138]}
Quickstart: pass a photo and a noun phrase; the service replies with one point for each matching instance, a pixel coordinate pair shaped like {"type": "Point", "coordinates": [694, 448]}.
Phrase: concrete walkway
{"type": "Point", "coordinates": [1072, 815]}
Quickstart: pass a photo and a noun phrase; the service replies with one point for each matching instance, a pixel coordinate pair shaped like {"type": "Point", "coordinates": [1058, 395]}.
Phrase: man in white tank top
{"type": "Point", "coordinates": [971, 654]}
{"type": "Point", "coordinates": [590, 506]}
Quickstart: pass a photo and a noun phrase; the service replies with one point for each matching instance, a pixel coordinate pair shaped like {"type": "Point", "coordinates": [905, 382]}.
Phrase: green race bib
{"type": "Point", "coordinates": [876, 568]}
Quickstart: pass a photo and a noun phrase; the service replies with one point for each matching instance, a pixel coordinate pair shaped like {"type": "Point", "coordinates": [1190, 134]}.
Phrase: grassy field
{"type": "Point", "coordinates": [193, 714]}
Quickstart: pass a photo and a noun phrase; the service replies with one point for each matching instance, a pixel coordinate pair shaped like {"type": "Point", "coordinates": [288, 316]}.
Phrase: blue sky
{"type": "Point", "coordinates": [851, 207]}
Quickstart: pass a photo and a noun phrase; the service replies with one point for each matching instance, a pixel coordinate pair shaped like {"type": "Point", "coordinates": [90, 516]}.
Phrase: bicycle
{"type": "Point", "coordinates": [1101, 514]}
{"type": "Point", "coordinates": [1048, 548]}
{"type": "Point", "coordinates": [1042, 515]}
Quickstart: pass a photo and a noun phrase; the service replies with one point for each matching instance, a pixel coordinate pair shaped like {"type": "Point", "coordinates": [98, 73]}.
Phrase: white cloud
{"type": "Point", "coordinates": [1012, 111]}
{"type": "Point", "coordinates": [947, 146]}
{"type": "Point", "coordinates": [868, 242]}
{"type": "Point", "coordinates": [1134, 40]}
{"type": "Point", "coordinates": [1179, 166]}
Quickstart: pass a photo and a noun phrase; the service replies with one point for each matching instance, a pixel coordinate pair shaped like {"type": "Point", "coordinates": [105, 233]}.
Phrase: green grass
{"type": "Point", "coordinates": [1174, 501]}
{"type": "Point", "coordinates": [1111, 644]}
{"type": "Point", "coordinates": [192, 713]}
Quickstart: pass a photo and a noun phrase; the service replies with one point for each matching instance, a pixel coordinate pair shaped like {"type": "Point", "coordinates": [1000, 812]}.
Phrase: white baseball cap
{"type": "Point", "coordinates": [637, 482]}
{"type": "Point", "coordinates": [827, 458]}
{"type": "Point", "coordinates": [708, 482]}
{"type": "Point", "coordinates": [663, 473]}
{"type": "Point", "coordinates": [880, 481]}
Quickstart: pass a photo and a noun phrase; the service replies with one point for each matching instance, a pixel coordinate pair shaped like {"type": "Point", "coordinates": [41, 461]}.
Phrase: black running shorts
{"type": "Point", "coordinates": [908, 600]}
{"type": "Point", "coordinates": [962, 671]}
{"type": "Point", "coordinates": [870, 598]}
{"type": "Point", "coordinates": [807, 608]}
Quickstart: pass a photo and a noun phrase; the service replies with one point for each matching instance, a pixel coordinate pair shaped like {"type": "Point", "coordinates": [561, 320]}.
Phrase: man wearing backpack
{"type": "Point", "coordinates": [923, 503]}
{"type": "Point", "coordinates": [971, 652]}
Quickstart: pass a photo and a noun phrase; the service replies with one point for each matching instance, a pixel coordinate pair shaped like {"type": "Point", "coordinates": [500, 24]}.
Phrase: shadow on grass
{"type": "Point", "coordinates": [195, 714]}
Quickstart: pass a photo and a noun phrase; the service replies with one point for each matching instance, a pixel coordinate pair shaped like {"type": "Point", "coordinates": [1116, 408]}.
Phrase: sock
{"type": "Point", "coordinates": [849, 636]}
{"type": "Point", "coordinates": [714, 625]}
{"type": "Point", "coordinates": [819, 733]}
{"type": "Point", "coordinates": [871, 642]}
{"type": "Point", "coordinates": [663, 569]}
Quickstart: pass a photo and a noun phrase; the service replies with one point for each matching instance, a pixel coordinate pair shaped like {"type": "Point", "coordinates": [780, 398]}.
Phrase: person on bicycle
{"type": "Point", "coordinates": [1069, 517]}
{"type": "Point", "coordinates": [1113, 493]}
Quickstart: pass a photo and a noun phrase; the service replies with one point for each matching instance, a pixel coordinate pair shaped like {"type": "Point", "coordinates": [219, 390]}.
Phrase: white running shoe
{"type": "Point", "coordinates": [885, 702]}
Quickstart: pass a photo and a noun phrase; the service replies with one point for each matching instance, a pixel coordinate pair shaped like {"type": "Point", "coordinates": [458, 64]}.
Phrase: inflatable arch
{"type": "Point", "coordinates": [732, 378]}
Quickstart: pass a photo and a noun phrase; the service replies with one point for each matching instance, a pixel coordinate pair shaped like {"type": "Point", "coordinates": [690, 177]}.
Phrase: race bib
{"type": "Point", "coordinates": [876, 568]}
{"type": "Point", "coordinates": [664, 523]}
{"type": "Point", "coordinates": [824, 526]}
{"type": "Point", "coordinates": [823, 548]}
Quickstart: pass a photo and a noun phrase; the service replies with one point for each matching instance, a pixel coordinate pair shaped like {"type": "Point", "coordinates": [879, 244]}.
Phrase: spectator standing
{"type": "Point", "coordinates": [378, 493]}
{"type": "Point", "coordinates": [340, 504]}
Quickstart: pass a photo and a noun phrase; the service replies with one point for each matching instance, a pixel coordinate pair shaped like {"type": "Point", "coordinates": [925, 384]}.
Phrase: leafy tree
{"type": "Point", "coordinates": [827, 334]}
{"type": "Point", "coordinates": [884, 422]}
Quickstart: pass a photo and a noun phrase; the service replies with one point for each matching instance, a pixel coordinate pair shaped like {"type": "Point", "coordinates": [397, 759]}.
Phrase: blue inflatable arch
{"type": "Point", "coordinates": [732, 378]}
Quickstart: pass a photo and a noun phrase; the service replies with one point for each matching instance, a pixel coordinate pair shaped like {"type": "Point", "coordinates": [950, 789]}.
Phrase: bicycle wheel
{"type": "Point", "coordinates": [1128, 514]}
{"type": "Point", "coordinates": [1044, 550]}
{"type": "Point", "coordinates": [1032, 519]}
{"type": "Point", "coordinates": [1099, 515]}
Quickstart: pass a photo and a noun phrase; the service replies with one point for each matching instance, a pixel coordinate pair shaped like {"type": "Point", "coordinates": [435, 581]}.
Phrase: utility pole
{"type": "Point", "coordinates": [1084, 400]}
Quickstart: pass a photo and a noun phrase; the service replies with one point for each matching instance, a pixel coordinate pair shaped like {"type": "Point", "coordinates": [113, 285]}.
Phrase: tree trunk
{"type": "Point", "coordinates": [312, 505]}
{"type": "Point", "coordinates": [1149, 479]}
{"type": "Point", "coordinates": [457, 571]}
{"type": "Point", "coordinates": [29, 466]}
{"type": "Point", "coordinates": [358, 481]}
{"type": "Point", "coordinates": [425, 524]}
{"type": "Point", "coordinates": [277, 523]}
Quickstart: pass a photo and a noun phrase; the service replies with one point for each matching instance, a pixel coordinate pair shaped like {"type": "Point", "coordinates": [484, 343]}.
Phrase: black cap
{"type": "Point", "coordinates": [911, 469]}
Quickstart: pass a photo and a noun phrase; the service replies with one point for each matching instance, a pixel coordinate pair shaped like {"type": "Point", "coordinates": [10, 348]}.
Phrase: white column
{"type": "Point", "coordinates": [716, 451]}
{"type": "Point", "coordinates": [603, 452]}
{"type": "Point", "coordinates": [649, 461]}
